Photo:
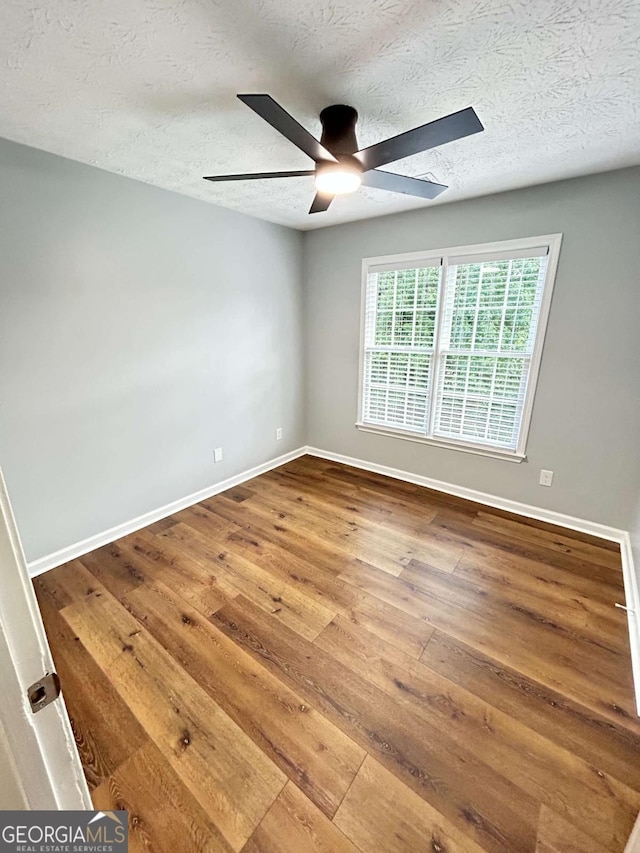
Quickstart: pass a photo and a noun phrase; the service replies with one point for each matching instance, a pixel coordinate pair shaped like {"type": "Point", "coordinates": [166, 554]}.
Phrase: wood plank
{"type": "Point", "coordinates": [549, 578]}
{"type": "Point", "coordinates": [67, 583]}
{"type": "Point", "coordinates": [556, 541]}
{"type": "Point", "coordinates": [471, 795]}
{"type": "Point", "coordinates": [595, 738]}
{"type": "Point", "coordinates": [316, 755]}
{"type": "Point", "coordinates": [105, 730]}
{"type": "Point", "coordinates": [287, 603]}
{"type": "Point", "coordinates": [378, 482]}
{"type": "Point", "coordinates": [379, 813]}
{"type": "Point", "coordinates": [549, 593]}
{"type": "Point", "coordinates": [163, 816]}
{"type": "Point", "coordinates": [355, 534]}
{"type": "Point", "coordinates": [238, 494]}
{"type": "Point", "coordinates": [114, 569]}
{"type": "Point", "coordinates": [215, 527]}
{"type": "Point", "coordinates": [604, 807]}
{"type": "Point", "coordinates": [265, 527]}
{"type": "Point", "coordinates": [163, 559]}
{"type": "Point", "coordinates": [452, 525]}
{"type": "Point", "coordinates": [343, 537]}
{"type": "Point", "coordinates": [536, 645]}
{"type": "Point", "coordinates": [539, 643]}
{"type": "Point", "coordinates": [316, 582]}
{"type": "Point", "coordinates": [294, 825]}
{"type": "Point", "coordinates": [190, 566]}
{"type": "Point", "coordinates": [556, 835]}
{"type": "Point", "coordinates": [229, 776]}
{"type": "Point", "coordinates": [403, 514]}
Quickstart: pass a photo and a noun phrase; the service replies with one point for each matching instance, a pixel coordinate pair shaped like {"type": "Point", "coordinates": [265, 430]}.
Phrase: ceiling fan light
{"type": "Point", "coordinates": [337, 179]}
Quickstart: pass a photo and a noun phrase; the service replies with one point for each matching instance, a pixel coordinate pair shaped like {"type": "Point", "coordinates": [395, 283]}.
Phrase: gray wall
{"type": "Point", "coordinates": [586, 417]}
{"type": "Point", "coordinates": [139, 330]}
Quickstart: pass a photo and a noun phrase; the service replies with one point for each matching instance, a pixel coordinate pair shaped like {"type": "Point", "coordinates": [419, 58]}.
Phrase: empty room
{"type": "Point", "coordinates": [320, 426]}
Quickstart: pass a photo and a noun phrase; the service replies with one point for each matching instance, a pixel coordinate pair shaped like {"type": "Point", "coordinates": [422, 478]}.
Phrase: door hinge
{"type": "Point", "coordinates": [44, 692]}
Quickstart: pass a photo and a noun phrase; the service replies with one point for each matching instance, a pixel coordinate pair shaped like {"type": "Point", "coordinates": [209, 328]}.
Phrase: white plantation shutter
{"type": "Point", "coordinates": [489, 322]}
{"type": "Point", "coordinates": [449, 345]}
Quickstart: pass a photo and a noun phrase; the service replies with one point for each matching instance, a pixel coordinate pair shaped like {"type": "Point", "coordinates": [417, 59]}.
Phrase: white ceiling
{"type": "Point", "coordinates": [146, 88]}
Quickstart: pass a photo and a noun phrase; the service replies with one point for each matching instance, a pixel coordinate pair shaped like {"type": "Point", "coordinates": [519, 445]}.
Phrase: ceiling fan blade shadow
{"type": "Point", "coordinates": [321, 203]}
{"type": "Point", "coordinates": [279, 118]}
{"type": "Point", "coordinates": [402, 184]}
{"type": "Point", "coordinates": [431, 135]}
{"type": "Point", "coordinates": [255, 176]}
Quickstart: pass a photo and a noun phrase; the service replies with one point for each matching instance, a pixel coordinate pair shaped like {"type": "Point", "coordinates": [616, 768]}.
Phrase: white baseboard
{"type": "Point", "coordinates": [72, 552]}
{"type": "Point", "coordinates": [613, 534]}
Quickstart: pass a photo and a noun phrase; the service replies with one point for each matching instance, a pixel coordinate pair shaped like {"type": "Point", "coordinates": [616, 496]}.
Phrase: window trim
{"type": "Point", "coordinates": [553, 241]}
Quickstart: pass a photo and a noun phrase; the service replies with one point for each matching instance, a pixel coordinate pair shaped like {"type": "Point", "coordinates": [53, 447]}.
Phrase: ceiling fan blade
{"type": "Point", "coordinates": [254, 176]}
{"type": "Point", "coordinates": [320, 203]}
{"type": "Point", "coordinates": [446, 129]}
{"type": "Point", "coordinates": [401, 184]}
{"type": "Point", "coordinates": [279, 118]}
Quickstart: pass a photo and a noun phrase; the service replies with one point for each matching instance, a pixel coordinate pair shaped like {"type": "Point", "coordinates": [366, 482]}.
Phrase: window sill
{"type": "Point", "coordinates": [494, 453]}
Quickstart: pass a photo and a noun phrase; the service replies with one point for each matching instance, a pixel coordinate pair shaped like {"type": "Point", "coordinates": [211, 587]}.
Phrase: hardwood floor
{"type": "Point", "coordinates": [324, 659]}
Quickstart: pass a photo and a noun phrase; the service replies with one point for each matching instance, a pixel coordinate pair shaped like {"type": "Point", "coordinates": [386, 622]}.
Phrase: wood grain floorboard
{"type": "Point", "coordinates": [537, 642]}
{"type": "Point", "coordinates": [164, 560]}
{"type": "Point", "coordinates": [556, 835]}
{"type": "Point", "coordinates": [379, 813]}
{"type": "Point", "coordinates": [325, 660]}
{"type": "Point", "coordinates": [106, 731]}
{"type": "Point", "coordinates": [299, 740]}
{"type": "Point", "coordinates": [363, 537]}
{"type": "Point", "coordinates": [574, 608]}
{"type": "Point", "coordinates": [468, 792]}
{"type": "Point", "coordinates": [608, 745]}
{"type": "Point", "coordinates": [163, 815]}
{"type": "Point", "coordinates": [294, 825]}
{"type": "Point", "coordinates": [456, 526]}
{"type": "Point", "coordinates": [284, 601]}
{"type": "Point", "coordinates": [232, 779]}
{"type": "Point", "coordinates": [599, 803]}
{"type": "Point", "coordinates": [320, 585]}
{"type": "Point", "coordinates": [397, 515]}
{"type": "Point", "coordinates": [554, 540]}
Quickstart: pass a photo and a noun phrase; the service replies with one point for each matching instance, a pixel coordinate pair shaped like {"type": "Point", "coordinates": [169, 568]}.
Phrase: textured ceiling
{"type": "Point", "coordinates": [147, 89]}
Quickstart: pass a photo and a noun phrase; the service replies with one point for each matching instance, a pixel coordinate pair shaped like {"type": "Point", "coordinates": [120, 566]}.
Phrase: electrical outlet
{"type": "Point", "coordinates": [217, 454]}
{"type": "Point", "coordinates": [278, 433]}
{"type": "Point", "coordinates": [546, 478]}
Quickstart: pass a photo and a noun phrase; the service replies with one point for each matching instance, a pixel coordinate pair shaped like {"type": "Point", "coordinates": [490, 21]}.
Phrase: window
{"type": "Point", "coordinates": [452, 341]}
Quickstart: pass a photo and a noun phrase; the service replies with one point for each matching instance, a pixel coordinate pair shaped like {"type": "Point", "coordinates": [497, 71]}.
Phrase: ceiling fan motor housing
{"type": "Point", "coordinates": [339, 130]}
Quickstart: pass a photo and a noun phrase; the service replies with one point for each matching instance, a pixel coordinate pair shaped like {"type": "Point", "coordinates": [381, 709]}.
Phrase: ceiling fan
{"type": "Point", "coordinates": [340, 167]}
